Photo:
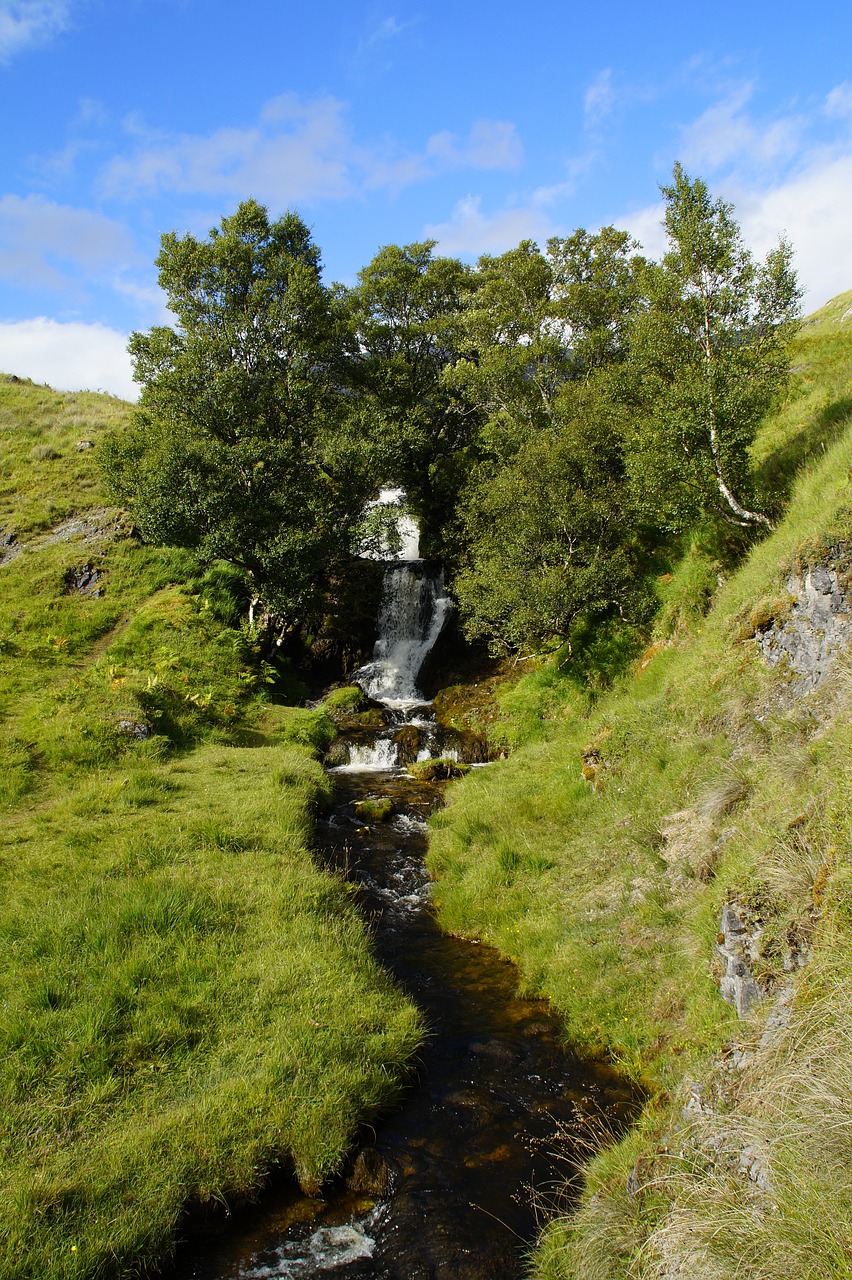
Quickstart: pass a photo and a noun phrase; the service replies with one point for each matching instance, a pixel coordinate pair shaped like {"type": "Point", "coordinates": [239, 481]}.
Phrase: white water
{"type": "Point", "coordinates": [327, 1249]}
{"type": "Point", "coordinates": [413, 612]}
{"type": "Point", "coordinates": [380, 754]}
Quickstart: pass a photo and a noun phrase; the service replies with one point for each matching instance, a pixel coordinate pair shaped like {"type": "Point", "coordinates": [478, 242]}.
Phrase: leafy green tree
{"type": "Point", "coordinates": [709, 352]}
{"type": "Point", "coordinates": [544, 528]}
{"type": "Point", "coordinates": [548, 537]}
{"type": "Point", "coordinates": [235, 450]}
{"type": "Point", "coordinates": [540, 322]}
{"type": "Point", "coordinates": [405, 316]}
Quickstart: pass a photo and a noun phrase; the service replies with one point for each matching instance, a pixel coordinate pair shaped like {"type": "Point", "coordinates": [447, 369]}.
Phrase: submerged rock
{"type": "Point", "coordinates": [372, 1174]}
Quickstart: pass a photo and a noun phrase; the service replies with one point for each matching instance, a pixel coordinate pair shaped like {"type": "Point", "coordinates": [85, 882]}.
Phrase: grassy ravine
{"type": "Point", "coordinates": [185, 999]}
{"type": "Point", "coordinates": [611, 905]}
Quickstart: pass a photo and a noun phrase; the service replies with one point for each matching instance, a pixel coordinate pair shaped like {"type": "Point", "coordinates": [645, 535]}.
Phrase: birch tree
{"type": "Point", "coordinates": [709, 353]}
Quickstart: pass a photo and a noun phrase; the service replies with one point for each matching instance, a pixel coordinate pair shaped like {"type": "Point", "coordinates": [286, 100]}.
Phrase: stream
{"type": "Point", "coordinates": [454, 1184]}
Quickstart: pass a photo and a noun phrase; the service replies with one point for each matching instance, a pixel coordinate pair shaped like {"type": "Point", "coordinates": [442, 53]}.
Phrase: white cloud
{"type": "Point", "coordinates": [387, 30]}
{"type": "Point", "coordinates": [298, 151]}
{"type": "Point", "coordinates": [599, 99]}
{"type": "Point", "coordinates": [70, 357]}
{"type": "Point", "coordinates": [470, 232]}
{"type": "Point", "coordinates": [37, 234]}
{"type": "Point", "coordinates": [28, 22]}
{"type": "Point", "coordinates": [491, 144]}
{"type": "Point", "coordinates": [726, 133]}
{"type": "Point", "coordinates": [838, 103]}
{"type": "Point", "coordinates": [810, 206]}
{"type": "Point", "coordinates": [646, 226]}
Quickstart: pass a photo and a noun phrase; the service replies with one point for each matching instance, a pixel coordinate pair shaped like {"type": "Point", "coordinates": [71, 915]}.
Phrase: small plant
{"type": "Point", "coordinates": [44, 453]}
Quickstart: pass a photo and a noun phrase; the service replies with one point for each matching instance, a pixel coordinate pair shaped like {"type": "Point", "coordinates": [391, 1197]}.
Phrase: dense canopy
{"type": "Point", "coordinates": [558, 417]}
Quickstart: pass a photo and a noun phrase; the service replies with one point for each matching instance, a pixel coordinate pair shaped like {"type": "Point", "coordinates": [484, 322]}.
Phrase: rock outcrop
{"type": "Point", "coordinates": [818, 624]}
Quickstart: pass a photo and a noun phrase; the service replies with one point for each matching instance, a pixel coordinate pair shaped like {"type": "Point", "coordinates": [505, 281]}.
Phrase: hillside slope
{"type": "Point", "coordinates": [687, 835]}
{"type": "Point", "coordinates": [185, 1000]}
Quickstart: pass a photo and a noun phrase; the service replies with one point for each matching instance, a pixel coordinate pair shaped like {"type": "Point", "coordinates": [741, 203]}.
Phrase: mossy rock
{"type": "Point", "coordinates": [343, 701]}
{"type": "Point", "coordinates": [438, 770]}
{"type": "Point", "coordinates": [351, 722]}
{"type": "Point", "coordinates": [407, 741]}
{"type": "Point", "coordinates": [337, 754]}
{"type": "Point", "coordinates": [373, 810]}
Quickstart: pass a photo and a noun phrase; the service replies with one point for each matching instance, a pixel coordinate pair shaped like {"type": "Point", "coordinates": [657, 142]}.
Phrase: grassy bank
{"type": "Point", "coordinates": [186, 1000]}
{"type": "Point", "coordinates": [601, 853]}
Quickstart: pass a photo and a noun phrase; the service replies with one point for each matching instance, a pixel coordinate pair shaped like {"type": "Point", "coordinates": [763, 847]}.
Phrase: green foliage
{"type": "Point", "coordinates": [538, 321]}
{"type": "Point", "coordinates": [538, 701]}
{"type": "Point", "coordinates": [548, 539]}
{"type": "Point", "coordinates": [709, 352]}
{"type": "Point", "coordinates": [227, 452]}
{"type": "Point", "coordinates": [406, 326]}
{"type": "Point", "coordinates": [599, 856]}
{"type": "Point", "coordinates": [190, 1002]}
{"type": "Point", "coordinates": [686, 593]}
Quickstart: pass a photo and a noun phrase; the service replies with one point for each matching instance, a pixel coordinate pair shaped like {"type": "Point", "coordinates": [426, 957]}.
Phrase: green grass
{"type": "Point", "coordinates": [706, 780]}
{"type": "Point", "coordinates": [186, 1001]}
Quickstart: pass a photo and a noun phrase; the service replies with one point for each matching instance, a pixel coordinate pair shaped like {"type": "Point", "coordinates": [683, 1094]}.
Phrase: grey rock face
{"type": "Point", "coordinates": [82, 580]}
{"type": "Point", "coordinates": [820, 623]}
{"type": "Point", "coordinates": [135, 729]}
{"type": "Point", "coordinates": [737, 947]}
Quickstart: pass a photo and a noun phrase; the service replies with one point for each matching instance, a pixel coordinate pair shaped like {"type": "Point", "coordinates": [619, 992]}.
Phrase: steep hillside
{"type": "Point", "coordinates": [186, 1000]}
{"type": "Point", "coordinates": [687, 837]}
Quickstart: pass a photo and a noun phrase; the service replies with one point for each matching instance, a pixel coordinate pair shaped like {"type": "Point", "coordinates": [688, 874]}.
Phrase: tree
{"type": "Point", "coordinates": [240, 411]}
{"type": "Point", "coordinates": [547, 537]}
{"type": "Point", "coordinates": [709, 352]}
{"type": "Point", "coordinates": [405, 317]}
{"type": "Point", "coordinates": [540, 322]}
{"type": "Point", "coordinates": [544, 527]}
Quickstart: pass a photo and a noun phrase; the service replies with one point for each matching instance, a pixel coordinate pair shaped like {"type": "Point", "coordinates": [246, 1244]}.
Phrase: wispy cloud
{"type": "Point", "coordinates": [785, 175]}
{"type": "Point", "coordinates": [70, 357]}
{"type": "Point", "coordinates": [725, 132]}
{"type": "Point", "coordinates": [838, 103]}
{"type": "Point", "coordinates": [44, 244]}
{"type": "Point", "coordinates": [469, 232]}
{"type": "Point", "coordinates": [298, 151]}
{"type": "Point", "coordinates": [388, 29]}
{"type": "Point", "coordinates": [30, 22]}
{"type": "Point", "coordinates": [374, 52]}
{"type": "Point", "coordinates": [491, 144]}
{"type": "Point", "coordinates": [599, 99]}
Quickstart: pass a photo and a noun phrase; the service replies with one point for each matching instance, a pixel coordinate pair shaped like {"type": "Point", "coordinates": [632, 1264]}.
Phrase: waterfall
{"type": "Point", "coordinates": [413, 612]}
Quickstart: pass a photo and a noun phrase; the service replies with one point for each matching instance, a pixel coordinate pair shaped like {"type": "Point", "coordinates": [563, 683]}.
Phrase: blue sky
{"type": "Point", "coordinates": [470, 123]}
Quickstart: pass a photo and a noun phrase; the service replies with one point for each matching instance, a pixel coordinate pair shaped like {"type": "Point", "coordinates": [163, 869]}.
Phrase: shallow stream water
{"type": "Point", "coordinates": [496, 1114]}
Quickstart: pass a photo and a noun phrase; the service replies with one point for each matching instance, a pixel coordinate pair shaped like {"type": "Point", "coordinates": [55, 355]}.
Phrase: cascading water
{"type": "Point", "coordinates": [414, 610]}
